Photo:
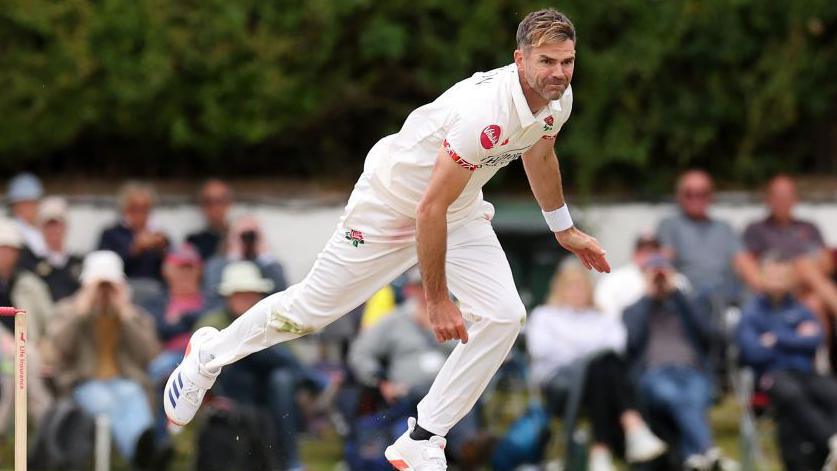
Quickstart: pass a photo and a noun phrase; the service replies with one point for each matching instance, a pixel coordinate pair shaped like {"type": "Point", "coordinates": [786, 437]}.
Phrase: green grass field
{"type": "Point", "coordinates": [323, 453]}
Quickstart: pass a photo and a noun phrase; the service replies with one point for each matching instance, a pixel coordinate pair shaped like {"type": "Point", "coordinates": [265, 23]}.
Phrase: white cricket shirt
{"type": "Point", "coordinates": [483, 122]}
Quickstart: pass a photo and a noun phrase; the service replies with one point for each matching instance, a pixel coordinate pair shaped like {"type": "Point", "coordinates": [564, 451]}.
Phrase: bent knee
{"type": "Point", "coordinates": [511, 311]}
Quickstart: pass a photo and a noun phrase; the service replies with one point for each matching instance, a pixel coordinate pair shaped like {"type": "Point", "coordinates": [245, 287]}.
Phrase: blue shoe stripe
{"type": "Point", "coordinates": [171, 398]}
{"type": "Point", "coordinates": [176, 389]}
{"type": "Point", "coordinates": [180, 380]}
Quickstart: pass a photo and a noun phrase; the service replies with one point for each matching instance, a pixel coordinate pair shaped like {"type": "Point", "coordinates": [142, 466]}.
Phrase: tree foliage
{"type": "Point", "coordinates": [304, 88]}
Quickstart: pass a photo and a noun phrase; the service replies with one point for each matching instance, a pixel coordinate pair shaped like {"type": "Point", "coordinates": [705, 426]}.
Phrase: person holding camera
{"type": "Point", "coordinates": [668, 350]}
{"type": "Point", "coordinates": [104, 344]}
{"type": "Point", "coordinates": [245, 241]}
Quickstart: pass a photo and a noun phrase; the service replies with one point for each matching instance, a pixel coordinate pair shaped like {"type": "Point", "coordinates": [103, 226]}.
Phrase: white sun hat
{"type": "Point", "coordinates": [243, 277]}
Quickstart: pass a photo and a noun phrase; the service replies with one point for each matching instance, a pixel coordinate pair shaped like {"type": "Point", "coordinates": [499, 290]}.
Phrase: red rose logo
{"type": "Point", "coordinates": [490, 136]}
{"type": "Point", "coordinates": [549, 120]}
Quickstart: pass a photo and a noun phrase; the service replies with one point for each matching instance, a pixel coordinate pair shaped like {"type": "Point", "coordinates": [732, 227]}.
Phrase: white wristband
{"type": "Point", "coordinates": [558, 219]}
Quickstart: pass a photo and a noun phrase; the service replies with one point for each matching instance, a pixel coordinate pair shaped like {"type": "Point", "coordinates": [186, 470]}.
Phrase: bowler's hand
{"type": "Point", "coordinates": [584, 247]}
{"type": "Point", "coordinates": [446, 320]}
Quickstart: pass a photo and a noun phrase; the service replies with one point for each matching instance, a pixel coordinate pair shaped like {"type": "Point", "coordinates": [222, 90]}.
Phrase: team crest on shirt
{"type": "Point", "coordinates": [355, 237]}
{"type": "Point", "coordinates": [490, 136]}
{"type": "Point", "coordinates": [549, 123]}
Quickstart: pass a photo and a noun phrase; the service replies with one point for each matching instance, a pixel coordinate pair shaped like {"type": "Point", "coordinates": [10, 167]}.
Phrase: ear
{"type": "Point", "coordinates": [518, 58]}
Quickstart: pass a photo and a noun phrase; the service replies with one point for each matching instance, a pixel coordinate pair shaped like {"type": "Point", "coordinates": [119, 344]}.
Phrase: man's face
{"type": "Point", "coordinates": [547, 69]}
{"type": "Point", "coordinates": [8, 258]}
{"type": "Point", "coordinates": [239, 303]}
{"type": "Point", "coordinates": [26, 210]}
{"type": "Point", "coordinates": [216, 199]}
{"type": "Point", "coordinates": [182, 277]}
{"type": "Point", "coordinates": [645, 251]}
{"type": "Point", "coordinates": [694, 195]}
{"type": "Point", "coordinates": [778, 278]}
{"type": "Point", "coordinates": [781, 198]}
{"type": "Point", "coordinates": [136, 211]}
{"type": "Point", "coordinates": [54, 231]}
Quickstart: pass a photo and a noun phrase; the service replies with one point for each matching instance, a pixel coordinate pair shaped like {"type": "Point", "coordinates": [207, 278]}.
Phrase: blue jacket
{"type": "Point", "coordinates": [635, 317]}
{"type": "Point", "coordinates": [791, 351]}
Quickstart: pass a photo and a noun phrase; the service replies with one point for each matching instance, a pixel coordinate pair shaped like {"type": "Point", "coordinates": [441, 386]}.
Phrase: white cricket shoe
{"type": "Point", "coordinates": [189, 382]}
{"type": "Point", "coordinates": [600, 460]}
{"type": "Point", "coordinates": [642, 445]}
{"type": "Point", "coordinates": [407, 454]}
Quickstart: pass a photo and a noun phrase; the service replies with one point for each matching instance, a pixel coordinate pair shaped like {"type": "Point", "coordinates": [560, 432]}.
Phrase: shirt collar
{"type": "Point", "coordinates": [523, 112]}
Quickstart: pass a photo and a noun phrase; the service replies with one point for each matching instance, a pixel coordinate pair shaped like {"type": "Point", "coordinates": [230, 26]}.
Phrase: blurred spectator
{"type": "Point", "coordinates": [216, 198]}
{"type": "Point", "coordinates": [701, 248]}
{"type": "Point", "coordinates": [268, 378]}
{"type": "Point", "coordinates": [58, 268]}
{"type": "Point", "coordinates": [399, 357]}
{"type": "Point", "coordinates": [175, 314]}
{"type": "Point", "coordinates": [571, 341]}
{"type": "Point", "coordinates": [624, 286]}
{"type": "Point", "coordinates": [245, 241]}
{"type": "Point", "coordinates": [105, 344]}
{"type": "Point", "coordinates": [668, 348]}
{"type": "Point", "coordinates": [134, 238]}
{"type": "Point", "coordinates": [779, 337]}
{"type": "Point", "coordinates": [22, 289]}
{"type": "Point", "coordinates": [792, 239]}
{"type": "Point", "coordinates": [25, 291]}
{"type": "Point", "coordinates": [24, 193]}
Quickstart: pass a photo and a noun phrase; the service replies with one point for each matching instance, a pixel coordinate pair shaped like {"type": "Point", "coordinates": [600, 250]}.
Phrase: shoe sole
{"type": "Point", "coordinates": [396, 460]}
{"type": "Point", "coordinates": [169, 391]}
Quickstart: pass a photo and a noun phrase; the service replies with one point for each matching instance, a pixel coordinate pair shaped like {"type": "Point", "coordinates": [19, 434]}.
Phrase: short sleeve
{"type": "Point", "coordinates": [753, 242]}
{"type": "Point", "coordinates": [470, 135]}
{"type": "Point", "coordinates": [816, 236]}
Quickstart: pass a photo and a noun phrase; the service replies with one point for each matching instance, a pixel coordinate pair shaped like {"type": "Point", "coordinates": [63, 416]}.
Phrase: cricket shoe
{"type": "Point", "coordinates": [407, 454]}
{"type": "Point", "coordinates": [189, 382]}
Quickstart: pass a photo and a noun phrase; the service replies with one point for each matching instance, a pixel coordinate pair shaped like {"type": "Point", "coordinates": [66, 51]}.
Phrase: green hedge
{"type": "Point", "coordinates": [304, 88]}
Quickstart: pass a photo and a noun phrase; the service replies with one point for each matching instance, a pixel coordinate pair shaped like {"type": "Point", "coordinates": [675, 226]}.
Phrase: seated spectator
{"type": "Point", "coordinates": [105, 344]}
{"type": "Point", "coordinates": [792, 239]}
{"type": "Point", "coordinates": [571, 341]}
{"type": "Point", "coordinates": [268, 378]}
{"type": "Point", "coordinates": [624, 286]}
{"type": "Point", "coordinates": [24, 194]}
{"type": "Point", "coordinates": [245, 241]}
{"type": "Point", "coordinates": [22, 289]}
{"type": "Point", "coordinates": [400, 357]}
{"type": "Point", "coordinates": [134, 238]}
{"type": "Point", "coordinates": [667, 348]}
{"type": "Point", "coordinates": [175, 315]}
{"type": "Point", "coordinates": [57, 266]}
{"type": "Point", "coordinates": [778, 337]}
{"type": "Point", "coordinates": [216, 198]}
{"type": "Point", "coordinates": [701, 247]}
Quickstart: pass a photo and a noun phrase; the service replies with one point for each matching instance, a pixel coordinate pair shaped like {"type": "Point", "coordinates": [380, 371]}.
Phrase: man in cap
{"type": "Point", "coordinates": [668, 350]}
{"type": "Point", "coordinates": [268, 378]}
{"type": "Point", "coordinates": [59, 268]}
{"type": "Point", "coordinates": [24, 193]}
{"type": "Point", "coordinates": [175, 314]}
{"type": "Point", "coordinates": [625, 285]}
{"type": "Point", "coordinates": [24, 290]}
{"type": "Point", "coordinates": [104, 345]}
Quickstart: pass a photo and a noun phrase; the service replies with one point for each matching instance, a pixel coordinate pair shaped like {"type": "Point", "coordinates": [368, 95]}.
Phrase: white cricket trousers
{"type": "Point", "coordinates": [345, 274]}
